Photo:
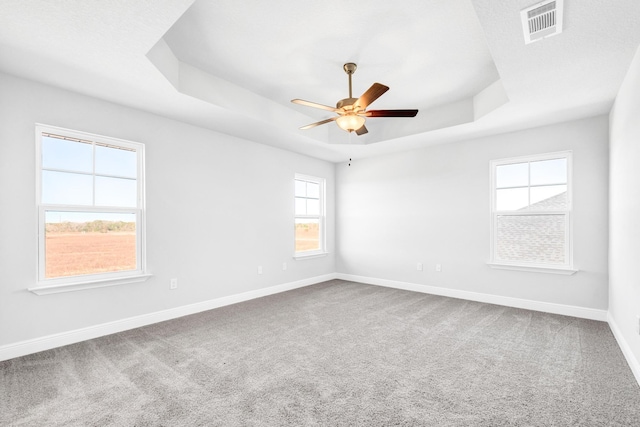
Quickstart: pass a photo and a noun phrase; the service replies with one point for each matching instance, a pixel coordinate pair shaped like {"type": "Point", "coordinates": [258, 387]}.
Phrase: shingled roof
{"type": "Point", "coordinates": [555, 203]}
{"type": "Point", "coordinates": [533, 238]}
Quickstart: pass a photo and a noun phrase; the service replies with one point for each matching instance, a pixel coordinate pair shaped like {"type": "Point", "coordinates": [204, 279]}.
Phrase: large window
{"type": "Point", "coordinates": [309, 215]}
{"type": "Point", "coordinates": [90, 195]}
{"type": "Point", "coordinates": [531, 211]}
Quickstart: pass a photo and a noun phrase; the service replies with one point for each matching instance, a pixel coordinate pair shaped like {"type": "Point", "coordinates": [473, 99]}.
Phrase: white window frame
{"type": "Point", "coordinates": [321, 217]}
{"type": "Point", "coordinates": [88, 281]}
{"type": "Point", "coordinates": [568, 267]}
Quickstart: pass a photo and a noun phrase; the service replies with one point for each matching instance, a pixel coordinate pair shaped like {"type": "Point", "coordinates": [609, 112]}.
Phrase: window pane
{"type": "Point", "coordinates": [116, 161]}
{"type": "Point", "coordinates": [301, 206]}
{"type": "Point", "coordinates": [549, 197]}
{"type": "Point", "coordinates": [116, 192]}
{"type": "Point", "coordinates": [301, 188]}
{"type": "Point", "coordinates": [307, 235]}
{"type": "Point", "coordinates": [88, 243]}
{"type": "Point", "coordinates": [313, 190]}
{"type": "Point", "coordinates": [68, 155]}
{"type": "Point", "coordinates": [512, 199]}
{"type": "Point", "coordinates": [549, 172]}
{"type": "Point", "coordinates": [531, 238]}
{"type": "Point", "coordinates": [64, 188]}
{"type": "Point", "coordinates": [516, 175]}
{"type": "Point", "coordinates": [313, 207]}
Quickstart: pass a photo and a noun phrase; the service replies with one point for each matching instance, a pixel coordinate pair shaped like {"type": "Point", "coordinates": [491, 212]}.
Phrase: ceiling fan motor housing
{"type": "Point", "coordinates": [347, 104]}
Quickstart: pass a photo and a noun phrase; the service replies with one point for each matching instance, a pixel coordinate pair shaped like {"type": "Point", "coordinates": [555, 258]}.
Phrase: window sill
{"type": "Point", "coordinates": [310, 256]}
{"type": "Point", "coordinates": [79, 286]}
{"type": "Point", "coordinates": [551, 270]}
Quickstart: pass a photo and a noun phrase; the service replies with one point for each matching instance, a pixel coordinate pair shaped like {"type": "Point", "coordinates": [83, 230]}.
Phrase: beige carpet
{"type": "Point", "coordinates": [333, 354]}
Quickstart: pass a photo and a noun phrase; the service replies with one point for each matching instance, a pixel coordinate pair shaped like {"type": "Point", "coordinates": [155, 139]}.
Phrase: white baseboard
{"type": "Point", "coordinates": [58, 340]}
{"type": "Point", "coordinates": [547, 307]}
{"type": "Point", "coordinates": [633, 362]}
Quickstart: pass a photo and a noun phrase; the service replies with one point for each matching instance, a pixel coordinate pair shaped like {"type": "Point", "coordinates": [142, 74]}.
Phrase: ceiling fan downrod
{"type": "Point", "coordinates": [350, 68]}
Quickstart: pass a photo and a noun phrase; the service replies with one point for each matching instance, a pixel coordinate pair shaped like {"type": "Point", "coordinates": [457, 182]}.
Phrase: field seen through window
{"type": "Point", "coordinates": [307, 237]}
{"type": "Point", "coordinates": [73, 249]}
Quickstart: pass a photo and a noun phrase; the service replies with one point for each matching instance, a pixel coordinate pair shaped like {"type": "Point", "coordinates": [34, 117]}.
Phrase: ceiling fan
{"type": "Point", "coordinates": [352, 111]}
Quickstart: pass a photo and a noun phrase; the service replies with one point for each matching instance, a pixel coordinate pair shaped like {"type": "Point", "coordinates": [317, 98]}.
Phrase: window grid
{"type": "Point", "coordinates": [309, 217]}
{"type": "Point", "coordinates": [541, 242]}
{"type": "Point", "coordinates": [114, 211]}
{"type": "Point", "coordinates": [93, 174]}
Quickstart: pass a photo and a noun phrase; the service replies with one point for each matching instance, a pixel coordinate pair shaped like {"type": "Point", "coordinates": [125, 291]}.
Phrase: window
{"type": "Point", "coordinates": [309, 216]}
{"type": "Point", "coordinates": [90, 196]}
{"type": "Point", "coordinates": [531, 212]}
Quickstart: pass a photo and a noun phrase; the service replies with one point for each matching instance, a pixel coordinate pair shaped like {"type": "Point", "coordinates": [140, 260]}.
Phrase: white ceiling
{"type": "Point", "coordinates": [234, 66]}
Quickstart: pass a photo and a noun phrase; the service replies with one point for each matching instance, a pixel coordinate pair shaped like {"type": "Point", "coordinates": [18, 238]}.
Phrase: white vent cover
{"type": "Point", "coordinates": [542, 20]}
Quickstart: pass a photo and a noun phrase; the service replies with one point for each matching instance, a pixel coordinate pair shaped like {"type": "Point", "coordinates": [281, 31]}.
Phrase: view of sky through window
{"type": "Point", "coordinates": [80, 173]}
{"type": "Point", "coordinates": [521, 185]}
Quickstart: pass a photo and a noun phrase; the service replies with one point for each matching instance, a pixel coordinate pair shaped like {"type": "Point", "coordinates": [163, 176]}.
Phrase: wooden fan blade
{"type": "Point", "coordinates": [362, 130]}
{"type": "Point", "coordinates": [312, 125]}
{"type": "Point", "coordinates": [390, 113]}
{"type": "Point", "coordinates": [374, 92]}
{"type": "Point", "coordinates": [313, 104]}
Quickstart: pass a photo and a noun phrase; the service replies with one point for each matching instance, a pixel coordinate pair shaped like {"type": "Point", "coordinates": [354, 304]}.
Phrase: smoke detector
{"type": "Point", "coordinates": [542, 20]}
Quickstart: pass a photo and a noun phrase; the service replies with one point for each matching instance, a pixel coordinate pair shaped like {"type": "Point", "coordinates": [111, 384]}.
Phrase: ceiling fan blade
{"type": "Point", "coordinates": [362, 130]}
{"type": "Point", "coordinates": [390, 113]}
{"type": "Point", "coordinates": [313, 104]}
{"type": "Point", "coordinates": [374, 92]}
{"type": "Point", "coordinates": [312, 125]}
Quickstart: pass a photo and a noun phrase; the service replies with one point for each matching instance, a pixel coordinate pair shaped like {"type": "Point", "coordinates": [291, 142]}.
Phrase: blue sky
{"type": "Point", "coordinates": [85, 174]}
{"type": "Point", "coordinates": [547, 178]}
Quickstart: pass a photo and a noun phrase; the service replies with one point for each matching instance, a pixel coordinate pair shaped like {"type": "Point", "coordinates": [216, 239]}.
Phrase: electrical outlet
{"type": "Point", "coordinates": [259, 269]}
{"type": "Point", "coordinates": [419, 266]}
{"type": "Point", "coordinates": [173, 284]}
{"type": "Point", "coordinates": [284, 266]}
{"type": "Point", "coordinates": [438, 267]}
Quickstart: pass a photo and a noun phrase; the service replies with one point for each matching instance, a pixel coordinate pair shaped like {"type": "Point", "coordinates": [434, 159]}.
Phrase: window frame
{"type": "Point", "coordinates": [321, 217]}
{"type": "Point", "coordinates": [86, 281]}
{"type": "Point", "coordinates": [568, 266]}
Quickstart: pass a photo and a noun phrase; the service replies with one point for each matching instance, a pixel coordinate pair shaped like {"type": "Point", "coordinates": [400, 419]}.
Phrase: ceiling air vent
{"type": "Point", "coordinates": [542, 20]}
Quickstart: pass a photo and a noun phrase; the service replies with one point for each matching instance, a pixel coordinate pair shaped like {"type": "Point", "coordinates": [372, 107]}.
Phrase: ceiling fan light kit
{"type": "Point", "coordinates": [352, 111]}
{"type": "Point", "coordinates": [350, 122]}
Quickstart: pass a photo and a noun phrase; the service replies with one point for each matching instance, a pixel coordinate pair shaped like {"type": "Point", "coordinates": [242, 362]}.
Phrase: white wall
{"type": "Point", "coordinates": [432, 206]}
{"type": "Point", "coordinates": [624, 212]}
{"type": "Point", "coordinates": [217, 207]}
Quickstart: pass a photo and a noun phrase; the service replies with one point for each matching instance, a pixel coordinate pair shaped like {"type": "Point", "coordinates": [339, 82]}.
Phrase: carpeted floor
{"type": "Point", "coordinates": [333, 354]}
